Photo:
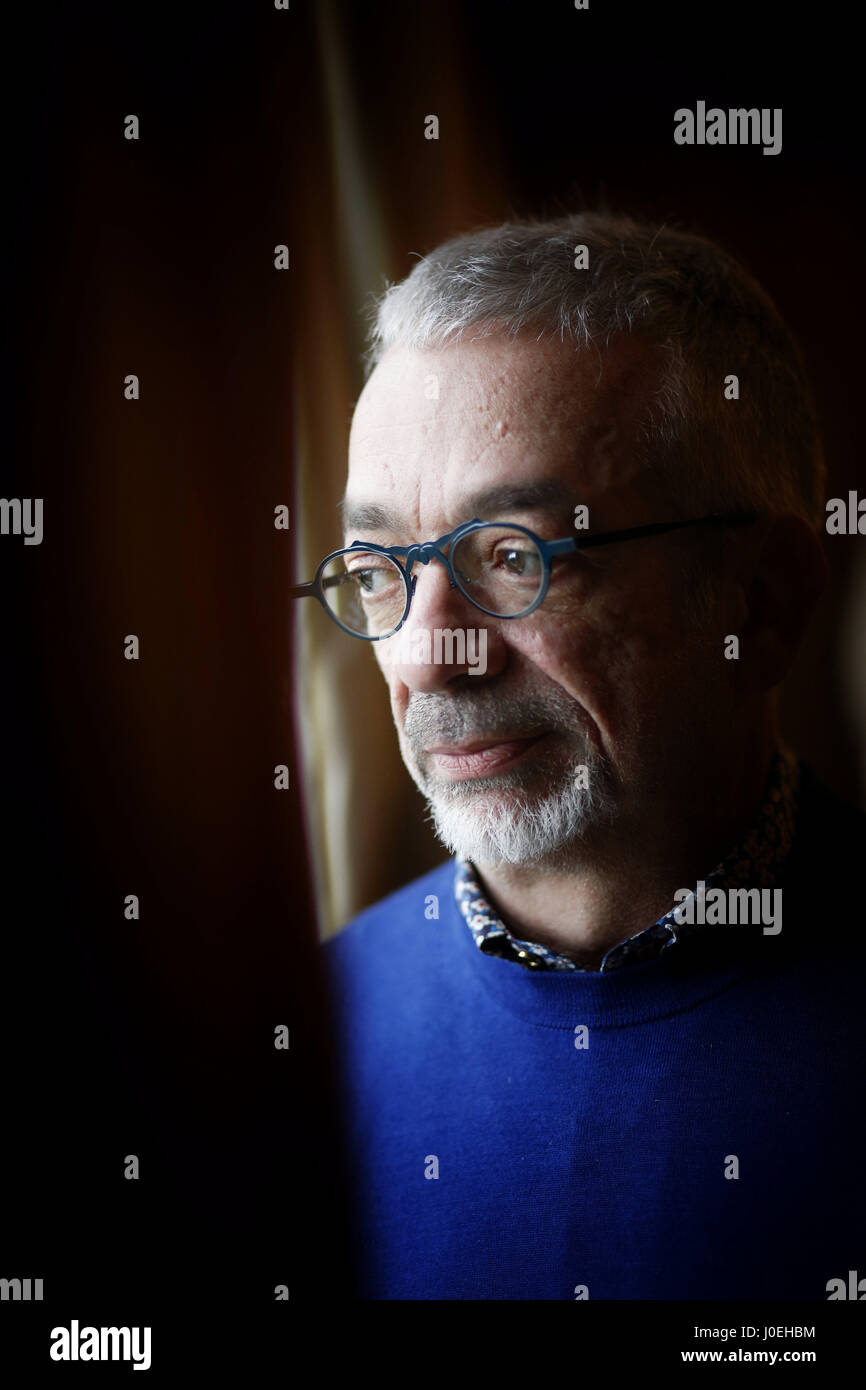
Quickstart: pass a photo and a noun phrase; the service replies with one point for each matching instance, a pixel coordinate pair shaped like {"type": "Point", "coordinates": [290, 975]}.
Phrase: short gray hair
{"type": "Point", "coordinates": [678, 292]}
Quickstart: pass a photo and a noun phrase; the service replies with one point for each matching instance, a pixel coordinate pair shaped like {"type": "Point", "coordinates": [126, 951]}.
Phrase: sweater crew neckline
{"type": "Point", "coordinates": [649, 990]}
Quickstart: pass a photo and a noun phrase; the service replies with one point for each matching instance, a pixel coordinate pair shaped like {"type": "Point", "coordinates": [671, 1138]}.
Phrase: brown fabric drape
{"type": "Point", "coordinates": [354, 230]}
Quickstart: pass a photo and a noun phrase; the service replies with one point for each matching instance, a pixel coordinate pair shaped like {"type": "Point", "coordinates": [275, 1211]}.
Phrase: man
{"type": "Point", "coordinates": [611, 1049]}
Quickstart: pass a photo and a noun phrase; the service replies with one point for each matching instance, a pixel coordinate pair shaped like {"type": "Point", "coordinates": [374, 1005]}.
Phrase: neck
{"type": "Point", "coordinates": [609, 891]}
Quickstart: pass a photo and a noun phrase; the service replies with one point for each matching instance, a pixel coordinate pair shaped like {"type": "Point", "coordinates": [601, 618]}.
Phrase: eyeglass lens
{"type": "Point", "coordinates": [497, 567]}
{"type": "Point", "coordinates": [365, 591]}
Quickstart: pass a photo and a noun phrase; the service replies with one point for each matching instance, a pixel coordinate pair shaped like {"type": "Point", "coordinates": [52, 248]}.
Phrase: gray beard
{"type": "Point", "coordinates": [500, 821]}
{"type": "Point", "coordinates": [540, 813]}
{"type": "Point", "coordinates": [537, 814]}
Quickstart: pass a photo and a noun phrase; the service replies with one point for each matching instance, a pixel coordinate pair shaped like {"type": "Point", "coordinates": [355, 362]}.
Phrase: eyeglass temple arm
{"type": "Point", "coordinates": [655, 528]}
{"type": "Point", "coordinates": [311, 590]}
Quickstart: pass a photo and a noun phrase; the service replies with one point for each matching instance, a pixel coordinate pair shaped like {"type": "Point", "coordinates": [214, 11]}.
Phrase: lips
{"type": "Point", "coordinates": [480, 757]}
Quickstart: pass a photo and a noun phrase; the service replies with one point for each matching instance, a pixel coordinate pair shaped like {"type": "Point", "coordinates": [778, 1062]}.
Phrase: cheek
{"type": "Point", "coordinates": [397, 691]}
{"type": "Point", "coordinates": [613, 654]}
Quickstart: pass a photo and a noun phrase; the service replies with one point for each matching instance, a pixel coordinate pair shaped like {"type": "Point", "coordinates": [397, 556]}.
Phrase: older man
{"type": "Point", "coordinates": [611, 1048]}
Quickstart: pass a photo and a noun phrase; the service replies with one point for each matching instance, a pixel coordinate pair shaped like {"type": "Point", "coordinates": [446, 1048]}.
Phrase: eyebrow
{"type": "Point", "coordinates": [548, 494]}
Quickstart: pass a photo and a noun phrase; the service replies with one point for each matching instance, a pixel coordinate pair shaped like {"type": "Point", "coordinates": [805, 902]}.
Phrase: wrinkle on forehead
{"type": "Point", "coordinates": [506, 409]}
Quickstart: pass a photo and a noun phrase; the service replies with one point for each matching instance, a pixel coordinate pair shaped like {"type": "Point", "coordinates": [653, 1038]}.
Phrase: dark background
{"type": "Point", "coordinates": [156, 1037]}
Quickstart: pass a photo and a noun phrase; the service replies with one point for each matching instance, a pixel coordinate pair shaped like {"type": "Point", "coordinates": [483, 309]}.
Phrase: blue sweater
{"type": "Point", "coordinates": [706, 1142]}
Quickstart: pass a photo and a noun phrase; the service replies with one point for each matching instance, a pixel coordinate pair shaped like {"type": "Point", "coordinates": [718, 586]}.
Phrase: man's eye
{"type": "Point", "coordinates": [372, 580]}
{"type": "Point", "coordinates": [523, 562]}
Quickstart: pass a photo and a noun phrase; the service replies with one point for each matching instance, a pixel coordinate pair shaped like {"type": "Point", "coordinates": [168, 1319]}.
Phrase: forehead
{"type": "Point", "coordinates": [436, 427]}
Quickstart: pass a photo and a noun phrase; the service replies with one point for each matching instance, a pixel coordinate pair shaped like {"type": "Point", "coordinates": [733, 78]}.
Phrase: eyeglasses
{"type": "Point", "coordinates": [502, 569]}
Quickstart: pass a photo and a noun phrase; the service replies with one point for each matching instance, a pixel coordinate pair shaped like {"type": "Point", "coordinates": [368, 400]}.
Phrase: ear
{"type": "Point", "coordinates": [787, 576]}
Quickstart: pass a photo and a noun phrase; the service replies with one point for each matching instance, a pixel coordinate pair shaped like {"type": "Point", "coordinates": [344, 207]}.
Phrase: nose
{"type": "Point", "coordinates": [444, 636]}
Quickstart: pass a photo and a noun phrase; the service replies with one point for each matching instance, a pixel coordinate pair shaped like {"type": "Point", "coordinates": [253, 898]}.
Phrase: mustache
{"type": "Point", "coordinates": [434, 718]}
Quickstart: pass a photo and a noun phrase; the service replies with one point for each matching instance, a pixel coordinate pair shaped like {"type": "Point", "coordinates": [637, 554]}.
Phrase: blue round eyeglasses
{"type": "Point", "coordinates": [501, 568]}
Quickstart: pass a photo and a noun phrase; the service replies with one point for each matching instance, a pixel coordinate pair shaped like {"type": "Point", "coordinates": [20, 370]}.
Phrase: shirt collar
{"type": "Point", "coordinates": [755, 862]}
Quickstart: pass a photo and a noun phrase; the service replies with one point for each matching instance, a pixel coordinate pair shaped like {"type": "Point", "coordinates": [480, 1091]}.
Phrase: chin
{"type": "Point", "coordinates": [515, 828]}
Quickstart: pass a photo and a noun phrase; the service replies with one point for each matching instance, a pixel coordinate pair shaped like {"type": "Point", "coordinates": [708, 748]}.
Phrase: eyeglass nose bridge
{"type": "Point", "coordinates": [424, 554]}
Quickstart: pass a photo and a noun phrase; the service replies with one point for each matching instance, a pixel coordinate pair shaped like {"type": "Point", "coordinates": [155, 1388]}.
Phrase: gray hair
{"type": "Point", "coordinates": [678, 292]}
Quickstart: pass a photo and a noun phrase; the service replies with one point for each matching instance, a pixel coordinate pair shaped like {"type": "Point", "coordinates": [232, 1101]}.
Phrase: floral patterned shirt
{"type": "Point", "coordinates": [755, 862]}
